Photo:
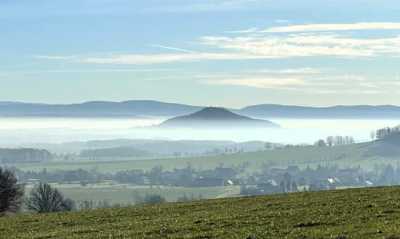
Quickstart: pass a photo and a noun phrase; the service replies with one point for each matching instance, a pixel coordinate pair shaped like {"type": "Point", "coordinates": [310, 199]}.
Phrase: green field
{"type": "Point", "coordinates": [348, 155]}
{"type": "Point", "coordinates": [353, 213]}
{"type": "Point", "coordinates": [125, 194]}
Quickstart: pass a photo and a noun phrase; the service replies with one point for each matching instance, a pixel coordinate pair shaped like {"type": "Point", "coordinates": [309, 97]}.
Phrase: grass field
{"type": "Point", "coordinates": [349, 155]}
{"type": "Point", "coordinates": [353, 213]}
{"type": "Point", "coordinates": [125, 194]}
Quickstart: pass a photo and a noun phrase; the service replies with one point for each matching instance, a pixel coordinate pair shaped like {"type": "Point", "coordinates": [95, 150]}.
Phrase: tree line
{"type": "Point", "coordinates": [186, 177]}
{"type": "Point", "coordinates": [385, 132]}
{"type": "Point", "coordinates": [331, 141]}
{"type": "Point", "coordinates": [24, 155]}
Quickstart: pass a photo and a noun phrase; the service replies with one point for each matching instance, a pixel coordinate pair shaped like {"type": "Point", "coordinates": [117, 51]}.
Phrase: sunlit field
{"type": "Point", "coordinates": [355, 213]}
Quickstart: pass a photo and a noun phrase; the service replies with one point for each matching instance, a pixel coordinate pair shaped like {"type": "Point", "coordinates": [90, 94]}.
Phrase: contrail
{"type": "Point", "coordinates": [172, 48]}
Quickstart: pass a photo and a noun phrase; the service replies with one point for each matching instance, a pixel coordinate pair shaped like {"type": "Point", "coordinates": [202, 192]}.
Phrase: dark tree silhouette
{"type": "Point", "coordinates": [43, 199]}
{"type": "Point", "coordinates": [11, 193]}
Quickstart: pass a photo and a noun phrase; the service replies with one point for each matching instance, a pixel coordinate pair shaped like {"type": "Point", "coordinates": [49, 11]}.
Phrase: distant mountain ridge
{"type": "Point", "coordinates": [340, 111]}
{"type": "Point", "coordinates": [133, 108]}
{"type": "Point", "coordinates": [151, 108]}
{"type": "Point", "coordinates": [216, 117]}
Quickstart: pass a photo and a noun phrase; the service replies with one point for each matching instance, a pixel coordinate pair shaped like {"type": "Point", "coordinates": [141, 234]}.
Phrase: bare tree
{"type": "Point", "coordinates": [11, 193]}
{"type": "Point", "coordinates": [43, 199]}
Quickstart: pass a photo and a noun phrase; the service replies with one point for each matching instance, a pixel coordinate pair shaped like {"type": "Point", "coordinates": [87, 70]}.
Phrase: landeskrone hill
{"type": "Point", "coordinates": [216, 117]}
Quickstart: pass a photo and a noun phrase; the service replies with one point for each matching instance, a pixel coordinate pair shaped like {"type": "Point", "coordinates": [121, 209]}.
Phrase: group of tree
{"type": "Point", "coordinates": [42, 199]}
{"type": "Point", "coordinates": [24, 155]}
{"type": "Point", "coordinates": [156, 176]}
{"type": "Point", "coordinates": [385, 132]}
{"type": "Point", "coordinates": [331, 141]}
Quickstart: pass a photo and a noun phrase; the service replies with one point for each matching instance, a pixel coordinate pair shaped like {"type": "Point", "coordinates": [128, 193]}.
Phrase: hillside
{"type": "Point", "coordinates": [133, 108]}
{"type": "Point", "coordinates": [216, 117]}
{"type": "Point", "coordinates": [336, 112]}
{"type": "Point", "coordinates": [355, 213]}
{"type": "Point", "coordinates": [115, 152]}
{"type": "Point", "coordinates": [155, 147]}
{"type": "Point", "coordinates": [386, 147]}
{"type": "Point", "coordinates": [347, 155]}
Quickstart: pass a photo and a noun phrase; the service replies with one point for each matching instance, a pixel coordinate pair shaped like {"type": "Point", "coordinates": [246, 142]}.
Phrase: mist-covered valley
{"type": "Point", "coordinates": [210, 153]}
{"type": "Point", "coordinates": [19, 132]}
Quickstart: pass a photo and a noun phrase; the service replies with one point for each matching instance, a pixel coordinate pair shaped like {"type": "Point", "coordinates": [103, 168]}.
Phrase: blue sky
{"type": "Point", "coordinates": [205, 52]}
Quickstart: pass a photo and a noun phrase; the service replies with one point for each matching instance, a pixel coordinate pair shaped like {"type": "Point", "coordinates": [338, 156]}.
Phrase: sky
{"type": "Point", "coordinates": [228, 53]}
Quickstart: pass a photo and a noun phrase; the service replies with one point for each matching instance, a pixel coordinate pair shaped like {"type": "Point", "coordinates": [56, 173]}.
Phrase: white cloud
{"type": "Point", "coordinates": [306, 45]}
{"type": "Point", "coordinates": [261, 82]}
{"type": "Point", "coordinates": [54, 57]}
{"type": "Point", "coordinates": [303, 71]}
{"type": "Point", "coordinates": [55, 71]}
{"type": "Point", "coordinates": [335, 27]}
{"type": "Point", "coordinates": [352, 92]}
{"type": "Point", "coordinates": [249, 30]}
{"type": "Point", "coordinates": [318, 83]}
{"type": "Point", "coordinates": [145, 59]}
{"type": "Point", "coordinates": [266, 47]}
{"type": "Point", "coordinates": [252, 44]}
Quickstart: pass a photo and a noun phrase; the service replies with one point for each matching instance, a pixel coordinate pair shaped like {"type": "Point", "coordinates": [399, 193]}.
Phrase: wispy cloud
{"type": "Point", "coordinates": [146, 59]}
{"type": "Point", "coordinates": [318, 83]}
{"type": "Point", "coordinates": [249, 30]}
{"type": "Point", "coordinates": [301, 71]}
{"type": "Point", "coordinates": [262, 82]}
{"type": "Point", "coordinates": [273, 43]}
{"type": "Point", "coordinates": [256, 48]}
{"type": "Point", "coordinates": [54, 57]}
{"type": "Point", "coordinates": [66, 71]}
{"type": "Point", "coordinates": [306, 45]}
{"type": "Point", "coordinates": [335, 27]}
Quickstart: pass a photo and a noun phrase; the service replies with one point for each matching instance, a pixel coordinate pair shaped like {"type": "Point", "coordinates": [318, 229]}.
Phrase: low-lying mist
{"type": "Point", "coordinates": [24, 131]}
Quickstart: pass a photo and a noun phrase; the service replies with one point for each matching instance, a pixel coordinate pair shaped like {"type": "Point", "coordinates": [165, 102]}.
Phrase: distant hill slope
{"type": "Point", "coordinates": [353, 213]}
{"type": "Point", "coordinates": [216, 117]}
{"type": "Point", "coordinates": [24, 155]}
{"type": "Point", "coordinates": [134, 108]}
{"type": "Point", "coordinates": [387, 147]}
{"type": "Point", "coordinates": [356, 111]}
{"type": "Point", "coordinates": [150, 108]}
{"type": "Point", "coordinates": [156, 147]}
{"type": "Point", "coordinates": [119, 152]}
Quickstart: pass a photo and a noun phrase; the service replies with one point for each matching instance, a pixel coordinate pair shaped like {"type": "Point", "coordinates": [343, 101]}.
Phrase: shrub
{"type": "Point", "coordinates": [43, 199]}
{"type": "Point", "coordinates": [149, 199]}
{"type": "Point", "coordinates": [154, 199]}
